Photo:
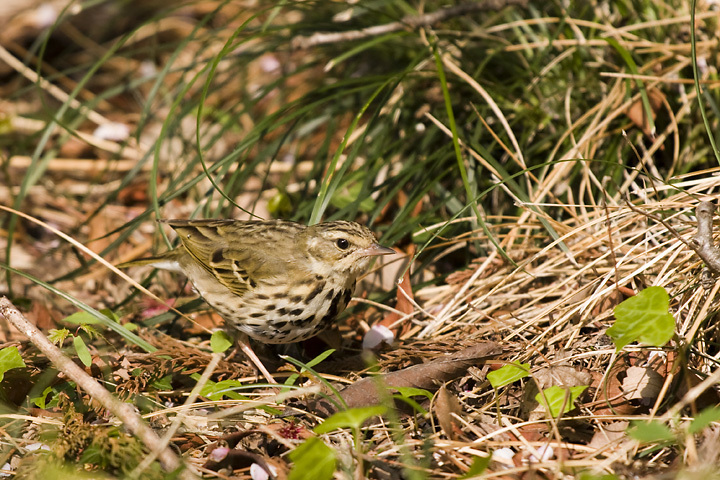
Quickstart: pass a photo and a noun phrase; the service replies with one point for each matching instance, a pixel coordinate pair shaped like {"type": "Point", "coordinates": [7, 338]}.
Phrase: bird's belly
{"type": "Point", "coordinates": [282, 316]}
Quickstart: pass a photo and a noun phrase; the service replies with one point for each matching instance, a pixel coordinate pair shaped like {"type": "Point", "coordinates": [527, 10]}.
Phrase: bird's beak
{"type": "Point", "coordinates": [376, 249]}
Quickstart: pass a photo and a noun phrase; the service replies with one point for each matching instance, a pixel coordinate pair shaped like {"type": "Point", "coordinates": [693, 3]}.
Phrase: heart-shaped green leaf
{"type": "Point", "coordinates": [645, 318]}
{"type": "Point", "coordinates": [560, 400]}
{"type": "Point", "coordinates": [10, 358]}
{"type": "Point", "coordinates": [508, 374]}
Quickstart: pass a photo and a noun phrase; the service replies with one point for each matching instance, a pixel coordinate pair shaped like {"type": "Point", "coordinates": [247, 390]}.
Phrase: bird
{"type": "Point", "coordinates": [276, 281]}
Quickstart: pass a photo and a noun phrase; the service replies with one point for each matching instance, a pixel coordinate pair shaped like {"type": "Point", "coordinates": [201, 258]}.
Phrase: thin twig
{"type": "Point", "coordinates": [702, 243]}
{"type": "Point", "coordinates": [669, 228]}
{"type": "Point", "coordinates": [124, 411]}
{"type": "Point", "coordinates": [409, 21]}
{"type": "Point", "coordinates": [608, 225]}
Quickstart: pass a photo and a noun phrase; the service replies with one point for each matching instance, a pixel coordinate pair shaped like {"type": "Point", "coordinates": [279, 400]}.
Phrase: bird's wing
{"type": "Point", "coordinates": [233, 251]}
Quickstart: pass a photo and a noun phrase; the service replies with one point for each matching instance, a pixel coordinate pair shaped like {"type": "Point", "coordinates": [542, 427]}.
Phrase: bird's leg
{"type": "Point", "coordinates": [244, 344]}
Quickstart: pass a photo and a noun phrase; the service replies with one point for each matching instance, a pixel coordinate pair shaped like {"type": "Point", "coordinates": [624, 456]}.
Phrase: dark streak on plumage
{"type": "Point", "coordinates": [303, 321]}
{"type": "Point", "coordinates": [317, 291]}
{"type": "Point", "coordinates": [218, 255]}
{"type": "Point", "coordinates": [280, 324]}
{"type": "Point", "coordinates": [333, 310]}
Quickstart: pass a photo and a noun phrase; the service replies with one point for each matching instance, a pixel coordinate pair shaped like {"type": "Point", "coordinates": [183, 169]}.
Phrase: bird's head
{"type": "Point", "coordinates": [343, 247]}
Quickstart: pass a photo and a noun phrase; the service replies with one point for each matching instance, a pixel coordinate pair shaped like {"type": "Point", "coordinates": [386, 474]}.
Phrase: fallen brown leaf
{"type": "Point", "coordinates": [404, 302]}
{"type": "Point", "coordinates": [636, 111]}
{"type": "Point", "coordinates": [427, 376]}
{"type": "Point", "coordinates": [446, 404]}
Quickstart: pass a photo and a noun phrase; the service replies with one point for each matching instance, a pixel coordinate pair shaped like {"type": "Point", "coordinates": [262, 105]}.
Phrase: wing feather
{"type": "Point", "coordinates": [240, 254]}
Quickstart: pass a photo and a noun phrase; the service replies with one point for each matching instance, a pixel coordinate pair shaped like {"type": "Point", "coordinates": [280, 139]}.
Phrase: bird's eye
{"type": "Point", "coordinates": [342, 243]}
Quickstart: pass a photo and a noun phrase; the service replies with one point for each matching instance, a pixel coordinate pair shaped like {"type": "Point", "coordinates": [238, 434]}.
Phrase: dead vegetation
{"type": "Point", "coordinates": [567, 199]}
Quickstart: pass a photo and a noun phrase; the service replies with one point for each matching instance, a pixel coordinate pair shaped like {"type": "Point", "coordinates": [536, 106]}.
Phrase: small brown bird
{"type": "Point", "coordinates": [276, 281]}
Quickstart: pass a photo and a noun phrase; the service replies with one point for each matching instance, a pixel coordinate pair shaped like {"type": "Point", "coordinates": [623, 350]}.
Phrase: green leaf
{"type": "Point", "coordinates": [478, 466]}
{"type": "Point", "coordinates": [58, 336]}
{"type": "Point", "coordinates": [627, 57]}
{"type": "Point", "coordinates": [86, 318]}
{"type": "Point", "coordinates": [413, 404]}
{"type": "Point", "coordinates": [306, 366]}
{"type": "Point", "coordinates": [319, 358]}
{"type": "Point", "coordinates": [9, 358]}
{"type": "Point", "coordinates": [41, 401]}
{"type": "Point", "coordinates": [352, 418]}
{"type": "Point", "coordinates": [220, 341]}
{"type": "Point", "coordinates": [651, 432]}
{"type": "Point", "coordinates": [409, 392]}
{"type": "Point", "coordinates": [280, 205]}
{"type": "Point", "coordinates": [704, 418]}
{"type": "Point", "coordinates": [91, 331]}
{"type": "Point", "coordinates": [348, 194]}
{"type": "Point", "coordinates": [560, 400]}
{"type": "Point", "coordinates": [405, 394]}
{"type": "Point", "coordinates": [508, 374]}
{"type": "Point", "coordinates": [217, 390]}
{"type": "Point", "coordinates": [163, 384]}
{"type": "Point", "coordinates": [313, 460]}
{"type": "Point", "coordinates": [645, 317]}
{"type": "Point", "coordinates": [82, 351]}
{"type": "Point", "coordinates": [586, 475]}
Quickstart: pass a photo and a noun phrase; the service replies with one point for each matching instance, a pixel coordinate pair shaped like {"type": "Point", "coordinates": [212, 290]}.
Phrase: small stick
{"type": "Point", "coordinates": [124, 411]}
{"type": "Point", "coordinates": [702, 243]}
{"type": "Point", "coordinates": [244, 345]}
{"type": "Point", "coordinates": [412, 21]}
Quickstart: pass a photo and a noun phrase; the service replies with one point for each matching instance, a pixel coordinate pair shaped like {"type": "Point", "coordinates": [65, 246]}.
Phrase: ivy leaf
{"type": "Point", "coordinates": [645, 318]}
{"type": "Point", "coordinates": [478, 466]}
{"type": "Point", "coordinates": [351, 418]}
{"type": "Point", "coordinates": [560, 400]}
{"type": "Point", "coordinates": [408, 392]}
{"type": "Point", "coordinates": [41, 400]}
{"type": "Point", "coordinates": [651, 432]}
{"type": "Point", "coordinates": [704, 418]}
{"type": "Point", "coordinates": [9, 358]}
{"type": "Point", "coordinates": [508, 374]}
{"type": "Point", "coordinates": [220, 341]}
{"type": "Point", "coordinates": [217, 390]}
{"type": "Point", "coordinates": [313, 459]}
{"type": "Point", "coordinates": [58, 336]}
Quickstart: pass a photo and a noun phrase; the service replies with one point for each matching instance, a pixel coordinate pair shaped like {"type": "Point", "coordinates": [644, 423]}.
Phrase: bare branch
{"type": "Point", "coordinates": [124, 411]}
{"type": "Point", "coordinates": [702, 242]}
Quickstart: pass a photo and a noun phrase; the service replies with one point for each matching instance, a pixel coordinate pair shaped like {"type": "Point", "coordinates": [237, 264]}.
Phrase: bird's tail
{"type": "Point", "coordinates": [165, 261]}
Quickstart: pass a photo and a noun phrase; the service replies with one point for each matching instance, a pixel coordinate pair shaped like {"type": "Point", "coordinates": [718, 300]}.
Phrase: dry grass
{"type": "Point", "coordinates": [552, 170]}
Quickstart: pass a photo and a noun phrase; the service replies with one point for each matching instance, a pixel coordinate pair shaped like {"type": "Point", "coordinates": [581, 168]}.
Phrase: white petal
{"type": "Point", "coordinates": [546, 452]}
{"type": "Point", "coordinates": [504, 455]}
{"type": "Point", "coordinates": [258, 473]}
{"type": "Point", "coordinates": [376, 336]}
{"type": "Point", "coordinates": [45, 15]}
{"type": "Point", "coordinates": [219, 454]}
{"type": "Point", "coordinates": [113, 131]}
